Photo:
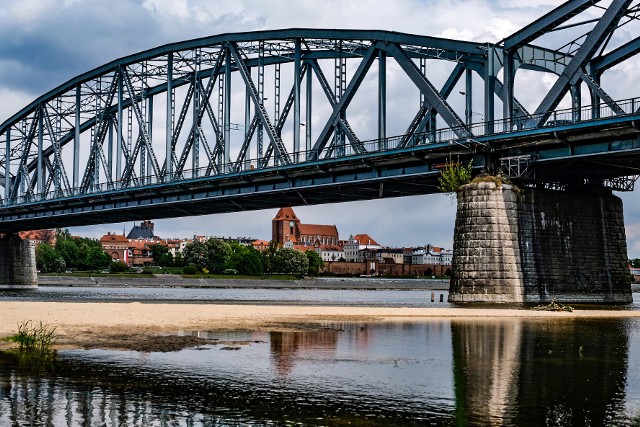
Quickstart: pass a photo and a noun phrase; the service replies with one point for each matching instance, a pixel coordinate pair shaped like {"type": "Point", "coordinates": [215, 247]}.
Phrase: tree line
{"type": "Point", "coordinates": [211, 256]}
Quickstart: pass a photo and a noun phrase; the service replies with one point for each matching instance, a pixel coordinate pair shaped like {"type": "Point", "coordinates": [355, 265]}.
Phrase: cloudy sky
{"type": "Point", "coordinates": [46, 42]}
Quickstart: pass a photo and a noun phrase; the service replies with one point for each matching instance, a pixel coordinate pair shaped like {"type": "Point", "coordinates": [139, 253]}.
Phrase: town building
{"type": "Point", "coordinates": [39, 236]}
{"type": "Point", "coordinates": [330, 253]}
{"type": "Point", "coordinates": [117, 246]}
{"type": "Point", "coordinates": [142, 231]}
{"type": "Point", "coordinates": [286, 227]}
{"type": "Point", "coordinates": [354, 247]}
{"type": "Point", "coordinates": [431, 255]}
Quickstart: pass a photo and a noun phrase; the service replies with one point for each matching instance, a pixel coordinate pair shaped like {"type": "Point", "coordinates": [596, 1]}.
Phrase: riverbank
{"type": "Point", "coordinates": [173, 280]}
{"type": "Point", "coordinates": [128, 326]}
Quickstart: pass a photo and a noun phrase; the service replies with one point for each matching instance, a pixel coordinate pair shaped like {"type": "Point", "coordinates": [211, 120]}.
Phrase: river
{"type": "Point", "coordinates": [439, 372]}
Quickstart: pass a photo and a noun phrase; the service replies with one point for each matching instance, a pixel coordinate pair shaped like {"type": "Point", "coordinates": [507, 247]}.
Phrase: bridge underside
{"type": "Point", "coordinates": [363, 178]}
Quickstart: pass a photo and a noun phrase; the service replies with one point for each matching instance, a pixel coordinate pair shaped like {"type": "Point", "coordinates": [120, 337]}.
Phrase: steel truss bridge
{"type": "Point", "coordinates": [300, 116]}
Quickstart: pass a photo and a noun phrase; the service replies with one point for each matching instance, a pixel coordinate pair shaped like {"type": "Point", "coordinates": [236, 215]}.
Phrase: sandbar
{"type": "Point", "coordinates": [89, 325]}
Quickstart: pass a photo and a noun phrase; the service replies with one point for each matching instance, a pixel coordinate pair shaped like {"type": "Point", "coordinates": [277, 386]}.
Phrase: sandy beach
{"type": "Point", "coordinates": [118, 325]}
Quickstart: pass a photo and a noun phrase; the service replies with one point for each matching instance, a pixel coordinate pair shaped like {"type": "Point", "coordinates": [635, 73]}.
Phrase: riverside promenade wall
{"type": "Point", "coordinates": [515, 246]}
{"type": "Point", "coordinates": [170, 280]}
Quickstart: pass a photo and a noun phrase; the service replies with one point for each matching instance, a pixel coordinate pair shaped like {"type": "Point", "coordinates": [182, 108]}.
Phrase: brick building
{"type": "Point", "coordinates": [286, 227]}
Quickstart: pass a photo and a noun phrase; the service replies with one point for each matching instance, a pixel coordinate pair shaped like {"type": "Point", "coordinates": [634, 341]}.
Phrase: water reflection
{"type": "Point", "coordinates": [500, 372]}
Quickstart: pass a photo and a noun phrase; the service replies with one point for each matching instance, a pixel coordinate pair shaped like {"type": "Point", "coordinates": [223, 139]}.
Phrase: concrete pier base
{"type": "Point", "coordinates": [522, 245]}
{"type": "Point", "coordinates": [17, 263]}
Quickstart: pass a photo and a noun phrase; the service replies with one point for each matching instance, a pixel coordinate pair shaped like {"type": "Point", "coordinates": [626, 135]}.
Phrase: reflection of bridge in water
{"type": "Point", "coordinates": [475, 372]}
{"type": "Point", "coordinates": [273, 118]}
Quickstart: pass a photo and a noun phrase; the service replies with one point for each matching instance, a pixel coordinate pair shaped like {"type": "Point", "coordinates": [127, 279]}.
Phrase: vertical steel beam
{"type": "Point", "coordinates": [195, 148]}
{"type": "Point", "coordinates": [76, 142]}
{"type": "Point", "coordinates": [150, 132]}
{"type": "Point", "coordinates": [227, 114]}
{"type": "Point", "coordinates": [296, 103]}
{"type": "Point", "coordinates": [119, 135]}
{"type": "Point", "coordinates": [247, 114]}
{"type": "Point", "coordinates": [468, 96]}
{"type": "Point", "coordinates": [576, 101]}
{"type": "Point", "coordinates": [110, 149]}
{"type": "Point", "coordinates": [309, 108]}
{"type": "Point", "coordinates": [509, 74]}
{"type": "Point", "coordinates": [259, 145]}
{"type": "Point", "coordinates": [7, 167]}
{"type": "Point", "coordinates": [169, 125]}
{"type": "Point", "coordinates": [40, 171]}
{"type": "Point", "coordinates": [382, 99]}
{"type": "Point", "coordinates": [595, 99]}
{"type": "Point", "coordinates": [489, 90]}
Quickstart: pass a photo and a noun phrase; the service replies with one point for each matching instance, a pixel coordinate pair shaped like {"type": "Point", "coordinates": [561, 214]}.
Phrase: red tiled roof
{"type": "Point", "coordinates": [318, 230]}
{"type": "Point", "coordinates": [365, 239]}
{"type": "Point", "coordinates": [113, 238]}
{"type": "Point", "coordinates": [330, 248]}
{"type": "Point", "coordinates": [286, 214]}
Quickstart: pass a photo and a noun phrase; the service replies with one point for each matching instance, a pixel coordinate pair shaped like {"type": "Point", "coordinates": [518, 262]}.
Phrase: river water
{"type": "Point", "coordinates": [440, 372]}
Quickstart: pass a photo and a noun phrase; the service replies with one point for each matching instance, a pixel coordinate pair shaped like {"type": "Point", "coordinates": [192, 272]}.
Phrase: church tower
{"type": "Point", "coordinates": [285, 226]}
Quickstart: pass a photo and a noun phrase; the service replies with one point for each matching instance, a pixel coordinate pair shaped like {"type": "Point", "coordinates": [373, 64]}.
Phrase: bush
{"type": "Point", "coordinates": [118, 267]}
{"type": "Point", "coordinates": [453, 176]}
{"type": "Point", "coordinates": [189, 269]}
{"type": "Point", "coordinates": [230, 271]}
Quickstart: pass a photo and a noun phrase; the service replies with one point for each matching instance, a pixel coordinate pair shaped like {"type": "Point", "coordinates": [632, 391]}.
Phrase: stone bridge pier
{"type": "Point", "coordinates": [17, 262]}
{"type": "Point", "coordinates": [515, 245]}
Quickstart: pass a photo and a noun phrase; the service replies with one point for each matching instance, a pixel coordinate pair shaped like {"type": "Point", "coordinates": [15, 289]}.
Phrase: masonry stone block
{"type": "Point", "coordinates": [17, 263]}
{"type": "Point", "coordinates": [519, 246]}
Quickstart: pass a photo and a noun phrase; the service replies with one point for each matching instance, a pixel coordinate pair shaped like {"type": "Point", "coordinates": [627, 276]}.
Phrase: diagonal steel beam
{"type": "Point", "coordinates": [595, 87]}
{"type": "Point", "coordinates": [546, 23]}
{"type": "Point", "coordinates": [430, 92]}
{"type": "Point", "coordinates": [142, 125]}
{"type": "Point", "coordinates": [344, 124]}
{"type": "Point", "coordinates": [572, 73]}
{"type": "Point", "coordinates": [613, 58]}
{"type": "Point", "coordinates": [276, 141]}
{"type": "Point", "coordinates": [419, 122]}
{"type": "Point", "coordinates": [345, 100]}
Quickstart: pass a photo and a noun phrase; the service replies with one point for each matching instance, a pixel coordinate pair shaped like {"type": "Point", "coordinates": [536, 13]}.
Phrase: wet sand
{"type": "Point", "coordinates": [120, 325]}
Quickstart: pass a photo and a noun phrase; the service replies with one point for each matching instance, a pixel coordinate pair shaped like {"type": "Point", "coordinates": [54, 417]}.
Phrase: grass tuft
{"type": "Point", "coordinates": [34, 337]}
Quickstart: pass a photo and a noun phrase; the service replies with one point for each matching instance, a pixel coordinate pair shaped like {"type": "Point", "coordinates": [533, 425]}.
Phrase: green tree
{"type": "Point", "coordinates": [178, 260]}
{"type": "Point", "coordinates": [315, 262]}
{"type": "Point", "coordinates": [197, 254]}
{"type": "Point", "coordinates": [288, 260]}
{"type": "Point", "coordinates": [453, 176]}
{"type": "Point", "coordinates": [161, 255]}
{"type": "Point", "coordinates": [218, 253]}
{"type": "Point", "coordinates": [267, 256]}
{"type": "Point", "coordinates": [247, 260]}
{"type": "Point", "coordinates": [48, 260]}
{"type": "Point", "coordinates": [81, 253]}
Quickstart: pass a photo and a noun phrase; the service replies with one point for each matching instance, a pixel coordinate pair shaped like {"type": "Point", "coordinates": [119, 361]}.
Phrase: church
{"type": "Point", "coordinates": [286, 227]}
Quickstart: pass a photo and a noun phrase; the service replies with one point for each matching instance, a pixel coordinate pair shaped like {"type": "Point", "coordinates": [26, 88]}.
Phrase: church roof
{"type": "Point", "coordinates": [140, 232]}
{"type": "Point", "coordinates": [286, 214]}
{"type": "Point", "coordinates": [318, 230]}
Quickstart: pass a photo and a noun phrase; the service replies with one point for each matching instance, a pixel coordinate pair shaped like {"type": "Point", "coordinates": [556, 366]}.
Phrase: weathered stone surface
{"type": "Point", "coordinates": [517, 246]}
{"type": "Point", "coordinates": [17, 263]}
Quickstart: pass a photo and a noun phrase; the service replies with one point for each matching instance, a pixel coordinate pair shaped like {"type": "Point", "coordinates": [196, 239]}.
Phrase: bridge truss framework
{"type": "Point", "coordinates": [294, 104]}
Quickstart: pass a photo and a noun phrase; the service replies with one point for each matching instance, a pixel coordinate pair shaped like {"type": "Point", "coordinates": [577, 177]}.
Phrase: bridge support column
{"type": "Point", "coordinates": [520, 246]}
{"type": "Point", "coordinates": [17, 263]}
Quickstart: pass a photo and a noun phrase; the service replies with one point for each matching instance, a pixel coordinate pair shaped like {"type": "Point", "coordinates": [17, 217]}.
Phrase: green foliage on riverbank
{"type": "Point", "coordinates": [33, 337]}
{"type": "Point", "coordinates": [71, 253]}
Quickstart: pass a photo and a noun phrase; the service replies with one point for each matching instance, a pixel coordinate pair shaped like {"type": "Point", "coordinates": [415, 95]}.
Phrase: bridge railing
{"type": "Point", "coordinates": [459, 135]}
